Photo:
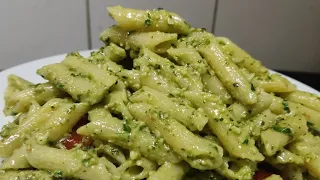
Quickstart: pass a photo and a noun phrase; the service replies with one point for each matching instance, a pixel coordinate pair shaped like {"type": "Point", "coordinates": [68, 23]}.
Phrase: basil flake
{"type": "Point", "coordinates": [283, 130]}
{"type": "Point", "coordinates": [246, 141]}
{"type": "Point", "coordinates": [126, 127]}
{"type": "Point", "coordinates": [286, 106]}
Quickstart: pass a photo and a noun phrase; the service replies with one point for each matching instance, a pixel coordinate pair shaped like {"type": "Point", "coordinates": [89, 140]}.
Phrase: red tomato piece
{"type": "Point", "coordinates": [261, 174]}
{"type": "Point", "coordinates": [74, 139]}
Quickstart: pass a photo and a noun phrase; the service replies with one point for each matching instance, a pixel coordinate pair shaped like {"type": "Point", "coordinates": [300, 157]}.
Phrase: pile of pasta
{"type": "Point", "coordinates": [161, 100]}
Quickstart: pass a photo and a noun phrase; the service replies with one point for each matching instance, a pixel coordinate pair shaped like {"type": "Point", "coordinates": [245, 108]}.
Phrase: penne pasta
{"type": "Point", "coordinates": [155, 20]}
{"type": "Point", "coordinates": [159, 100]}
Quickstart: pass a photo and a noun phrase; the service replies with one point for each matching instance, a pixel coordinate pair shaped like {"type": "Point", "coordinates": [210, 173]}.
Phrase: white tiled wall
{"type": "Point", "coordinates": [283, 34]}
{"type": "Point", "coordinates": [198, 13]}
{"type": "Point", "coordinates": [38, 28]}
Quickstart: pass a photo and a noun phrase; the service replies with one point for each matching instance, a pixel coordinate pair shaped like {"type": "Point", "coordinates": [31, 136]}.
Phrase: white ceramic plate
{"type": "Point", "coordinates": [28, 72]}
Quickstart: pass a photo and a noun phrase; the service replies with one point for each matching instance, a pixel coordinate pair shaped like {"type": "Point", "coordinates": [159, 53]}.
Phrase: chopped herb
{"type": "Point", "coordinates": [157, 66]}
{"type": "Point", "coordinates": [269, 78]}
{"type": "Point", "coordinates": [126, 127]}
{"type": "Point", "coordinates": [72, 69]}
{"type": "Point", "coordinates": [246, 141]}
{"type": "Point", "coordinates": [236, 84]}
{"type": "Point", "coordinates": [85, 162]}
{"type": "Point", "coordinates": [57, 174]}
{"type": "Point", "coordinates": [147, 22]}
{"type": "Point", "coordinates": [60, 86]}
{"type": "Point", "coordinates": [74, 54]}
{"type": "Point", "coordinates": [283, 130]}
{"type": "Point", "coordinates": [252, 87]}
{"type": "Point", "coordinates": [73, 107]}
{"type": "Point", "coordinates": [286, 106]}
{"type": "Point", "coordinates": [222, 43]}
{"type": "Point", "coordinates": [309, 124]}
{"type": "Point", "coordinates": [89, 77]}
{"type": "Point", "coordinates": [221, 119]}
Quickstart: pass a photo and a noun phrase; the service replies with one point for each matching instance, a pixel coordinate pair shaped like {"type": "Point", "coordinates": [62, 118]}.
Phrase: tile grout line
{"type": "Point", "coordinates": [215, 13]}
{"type": "Point", "coordinates": [89, 39]}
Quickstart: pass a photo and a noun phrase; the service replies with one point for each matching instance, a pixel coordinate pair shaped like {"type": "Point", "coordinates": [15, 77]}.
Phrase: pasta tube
{"type": "Point", "coordinates": [158, 42]}
{"type": "Point", "coordinates": [282, 133]}
{"type": "Point", "coordinates": [139, 168]}
{"type": "Point", "coordinates": [189, 57]}
{"type": "Point", "coordinates": [129, 135]}
{"type": "Point", "coordinates": [273, 83]}
{"type": "Point", "coordinates": [158, 82]}
{"type": "Point", "coordinates": [155, 20]}
{"type": "Point", "coordinates": [85, 82]}
{"type": "Point", "coordinates": [191, 118]}
{"type": "Point", "coordinates": [234, 139]}
{"type": "Point", "coordinates": [114, 52]}
{"type": "Point", "coordinates": [21, 100]}
{"type": "Point", "coordinates": [229, 74]}
{"type": "Point", "coordinates": [309, 100]}
{"type": "Point", "coordinates": [57, 125]}
{"type": "Point", "coordinates": [131, 78]}
{"type": "Point", "coordinates": [8, 145]}
{"type": "Point", "coordinates": [116, 102]}
{"type": "Point", "coordinates": [286, 157]}
{"type": "Point", "coordinates": [170, 171]}
{"type": "Point", "coordinates": [215, 86]}
{"type": "Point", "coordinates": [183, 76]}
{"type": "Point", "coordinates": [198, 152]}
{"type": "Point", "coordinates": [308, 147]}
{"type": "Point", "coordinates": [15, 84]}
{"type": "Point", "coordinates": [78, 164]}
{"type": "Point", "coordinates": [25, 175]}
{"type": "Point", "coordinates": [240, 57]}
{"type": "Point", "coordinates": [246, 169]}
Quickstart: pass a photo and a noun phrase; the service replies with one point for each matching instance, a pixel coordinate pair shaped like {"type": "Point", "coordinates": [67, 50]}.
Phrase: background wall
{"type": "Point", "coordinates": [38, 28]}
{"type": "Point", "coordinates": [283, 34]}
